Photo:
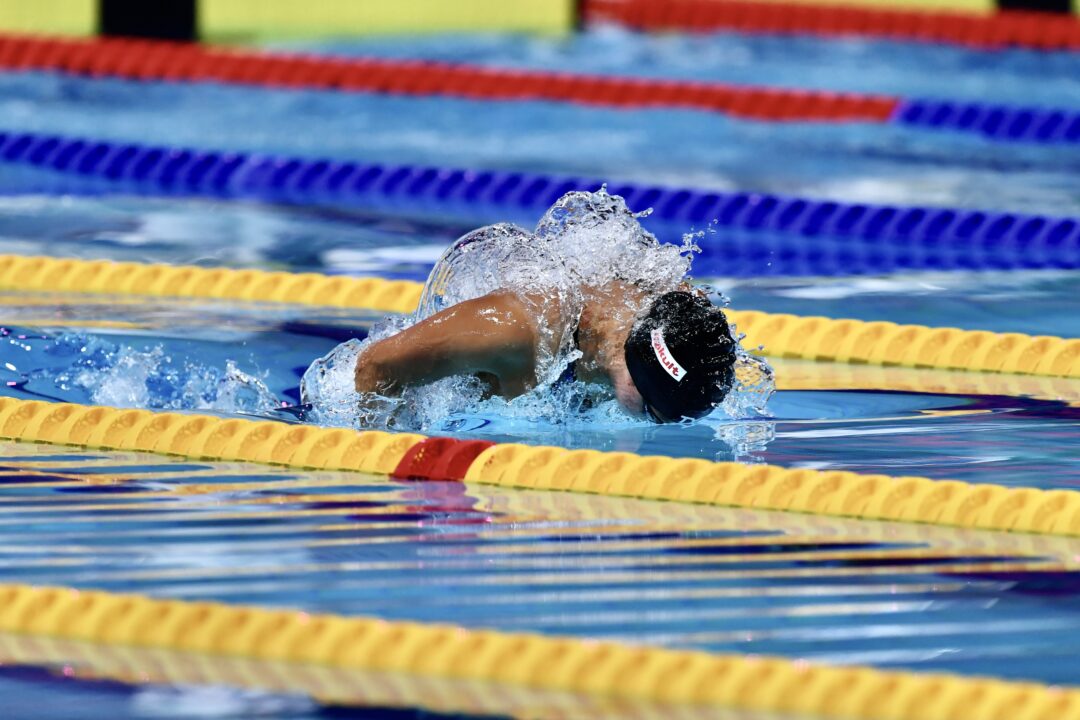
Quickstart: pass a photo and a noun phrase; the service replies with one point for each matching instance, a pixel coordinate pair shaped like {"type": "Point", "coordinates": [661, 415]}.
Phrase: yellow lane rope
{"type": "Point", "coordinates": [540, 662]}
{"type": "Point", "coordinates": [48, 274]}
{"type": "Point", "coordinates": [918, 346]}
{"type": "Point", "coordinates": [789, 336]}
{"type": "Point", "coordinates": [766, 487]}
{"type": "Point", "coordinates": [334, 685]}
{"type": "Point", "coordinates": [535, 661]}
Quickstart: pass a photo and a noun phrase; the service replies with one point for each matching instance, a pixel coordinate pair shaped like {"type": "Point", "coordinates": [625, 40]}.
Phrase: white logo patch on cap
{"type": "Point", "coordinates": [670, 364]}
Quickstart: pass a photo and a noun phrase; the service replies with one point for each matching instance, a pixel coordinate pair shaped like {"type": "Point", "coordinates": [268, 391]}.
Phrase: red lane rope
{"type": "Point", "coordinates": [148, 60]}
{"type": "Point", "coordinates": [1043, 31]}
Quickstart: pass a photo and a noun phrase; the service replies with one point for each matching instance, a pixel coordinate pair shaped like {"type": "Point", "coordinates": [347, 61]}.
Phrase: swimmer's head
{"type": "Point", "coordinates": [681, 357]}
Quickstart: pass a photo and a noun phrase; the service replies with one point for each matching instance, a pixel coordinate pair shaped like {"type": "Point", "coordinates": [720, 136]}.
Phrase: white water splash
{"type": "Point", "coordinates": [584, 240]}
{"type": "Point", "coordinates": [124, 376]}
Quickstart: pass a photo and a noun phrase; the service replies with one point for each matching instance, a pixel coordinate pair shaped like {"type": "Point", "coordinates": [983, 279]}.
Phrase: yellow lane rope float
{"type": "Point", "coordinates": [334, 685]}
{"type": "Point", "coordinates": [918, 346]}
{"type": "Point", "coordinates": [541, 662]}
{"type": "Point", "coordinates": [46, 274]}
{"type": "Point", "coordinates": [766, 487]}
{"type": "Point", "coordinates": [781, 335]}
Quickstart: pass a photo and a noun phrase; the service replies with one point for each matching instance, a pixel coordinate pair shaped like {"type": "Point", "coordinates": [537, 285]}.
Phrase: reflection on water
{"type": "Point", "coordinates": [1039, 302]}
{"type": "Point", "coordinates": [198, 232]}
{"type": "Point", "coordinates": [683, 575]}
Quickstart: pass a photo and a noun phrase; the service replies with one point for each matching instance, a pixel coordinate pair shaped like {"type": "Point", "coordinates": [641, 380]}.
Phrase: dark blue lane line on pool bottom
{"type": "Point", "coordinates": [755, 234]}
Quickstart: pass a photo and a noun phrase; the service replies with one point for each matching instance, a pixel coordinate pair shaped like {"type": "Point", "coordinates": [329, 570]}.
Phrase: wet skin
{"type": "Point", "coordinates": [497, 337]}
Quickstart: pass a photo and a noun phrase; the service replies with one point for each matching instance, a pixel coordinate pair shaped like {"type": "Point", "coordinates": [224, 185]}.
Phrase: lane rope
{"type": "Point", "coordinates": [412, 456]}
{"type": "Point", "coordinates": [916, 346]}
{"type": "Point", "coordinates": [171, 62]}
{"type": "Point", "coordinates": [47, 274]}
{"type": "Point", "coordinates": [544, 662]}
{"type": "Point", "coordinates": [782, 335]}
{"type": "Point", "coordinates": [1035, 30]}
{"type": "Point", "coordinates": [141, 666]}
{"type": "Point", "coordinates": [757, 233]}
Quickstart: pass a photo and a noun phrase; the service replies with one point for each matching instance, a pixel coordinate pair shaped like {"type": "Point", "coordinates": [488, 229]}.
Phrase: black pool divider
{"type": "Point", "coordinates": [747, 234]}
{"type": "Point", "coordinates": [1054, 6]}
{"type": "Point", "coordinates": [159, 20]}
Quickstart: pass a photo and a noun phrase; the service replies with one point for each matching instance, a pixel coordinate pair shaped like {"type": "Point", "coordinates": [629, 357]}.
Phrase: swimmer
{"type": "Point", "coordinates": [676, 360]}
{"type": "Point", "coordinates": [589, 296]}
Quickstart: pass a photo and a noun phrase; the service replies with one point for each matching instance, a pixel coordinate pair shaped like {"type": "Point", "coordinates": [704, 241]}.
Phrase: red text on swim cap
{"type": "Point", "coordinates": [670, 364]}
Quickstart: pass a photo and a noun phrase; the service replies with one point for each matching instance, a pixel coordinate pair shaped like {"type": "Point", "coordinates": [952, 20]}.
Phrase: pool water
{"type": "Point", "coordinates": [827, 590]}
{"type": "Point", "coordinates": [936, 424]}
{"type": "Point", "coordinates": [685, 576]}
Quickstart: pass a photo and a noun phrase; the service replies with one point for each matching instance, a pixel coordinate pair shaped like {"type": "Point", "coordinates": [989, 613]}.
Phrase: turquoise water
{"type": "Point", "coordinates": [662, 573]}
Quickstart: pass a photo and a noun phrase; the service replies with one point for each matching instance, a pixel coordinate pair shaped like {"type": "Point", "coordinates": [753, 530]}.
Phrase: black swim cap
{"type": "Point", "coordinates": [681, 356]}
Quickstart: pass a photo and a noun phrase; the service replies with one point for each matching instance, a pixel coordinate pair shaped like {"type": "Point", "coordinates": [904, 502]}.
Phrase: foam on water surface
{"type": "Point", "coordinates": [121, 375]}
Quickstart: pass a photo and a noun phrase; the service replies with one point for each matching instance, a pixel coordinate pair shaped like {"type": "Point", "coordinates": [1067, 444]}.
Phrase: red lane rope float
{"type": "Point", "coordinates": [148, 60]}
{"type": "Point", "coordinates": [440, 458]}
{"type": "Point", "coordinates": [1042, 31]}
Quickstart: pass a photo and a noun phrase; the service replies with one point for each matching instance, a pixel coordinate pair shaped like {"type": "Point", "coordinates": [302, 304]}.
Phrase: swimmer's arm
{"type": "Point", "coordinates": [494, 335]}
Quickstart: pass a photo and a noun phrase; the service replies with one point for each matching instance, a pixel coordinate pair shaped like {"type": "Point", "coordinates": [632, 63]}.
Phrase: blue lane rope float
{"type": "Point", "coordinates": [756, 233]}
{"type": "Point", "coordinates": [997, 122]}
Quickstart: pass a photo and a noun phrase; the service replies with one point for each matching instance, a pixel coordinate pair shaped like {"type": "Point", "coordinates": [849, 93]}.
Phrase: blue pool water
{"type": "Point", "coordinates": [879, 427]}
{"type": "Point", "coordinates": [853, 162]}
{"type": "Point", "coordinates": [974, 430]}
{"type": "Point", "coordinates": [896, 596]}
{"type": "Point", "coordinates": [684, 576]}
{"type": "Point", "coordinates": [856, 65]}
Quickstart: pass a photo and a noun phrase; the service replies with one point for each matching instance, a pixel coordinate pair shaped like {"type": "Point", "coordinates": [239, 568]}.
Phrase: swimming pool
{"type": "Point", "coordinates": [814, 588]}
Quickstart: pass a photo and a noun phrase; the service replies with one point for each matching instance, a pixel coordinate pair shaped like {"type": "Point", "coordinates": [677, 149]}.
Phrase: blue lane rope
{"type": "Point", "coordinates": [997, 122]}
{"type": "Point", "coordinates": [755, 233]}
